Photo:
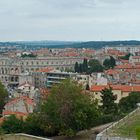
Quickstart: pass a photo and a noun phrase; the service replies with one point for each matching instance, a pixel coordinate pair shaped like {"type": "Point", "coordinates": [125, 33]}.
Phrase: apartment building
{"type": "Point", "coordinates": [127, 49]}
{"type": "Point", "coordinates": [55, 77]}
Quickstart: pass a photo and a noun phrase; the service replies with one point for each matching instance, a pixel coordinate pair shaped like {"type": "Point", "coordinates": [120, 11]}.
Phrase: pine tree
{"type": "Point", "coordinates": [108, 102]}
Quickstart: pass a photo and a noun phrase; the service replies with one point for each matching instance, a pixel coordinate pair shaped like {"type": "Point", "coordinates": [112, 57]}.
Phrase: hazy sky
{"type": "Point", "coordinates": [69, 20]}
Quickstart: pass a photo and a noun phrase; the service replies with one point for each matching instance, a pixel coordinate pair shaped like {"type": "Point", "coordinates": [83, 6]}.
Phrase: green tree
{"type": "Point", "coordinates": [87, 87]}
{"type": "Point", "coordinates": [94, 66]}
{"type": "Point", "coordinates": [109, 63]}
{"type": "Point", "coordinates": [33, 125]}
{"type": "Point", "coordinates": [108, 102]}
{"type": "Point", "coordinates": [13, 125]}
{"type": "Point", "coordinates": [3, 96]}
{"type": "Point", "coordinates": [28, 55]}
{"type": "Point", "coordinates": [85, 65]}
{"type": "Point", "coordinates": [67, 110]}
{"type": "Point", "coordinates": [129, 103]}
{"type": "Point", "coordinates": [126, 57]}
{"type": "Point", "coordinates": [112, 62]}
{"type": "Point", "coordinates": [106, 63]}
{"type": "Point", "coordinates": [76, 67]}
{"type": "Point", "coordinates": [80, 68]}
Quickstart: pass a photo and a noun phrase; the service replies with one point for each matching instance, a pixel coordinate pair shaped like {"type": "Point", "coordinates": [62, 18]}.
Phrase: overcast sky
{"type": "Point", "coordinates": [69, 20]}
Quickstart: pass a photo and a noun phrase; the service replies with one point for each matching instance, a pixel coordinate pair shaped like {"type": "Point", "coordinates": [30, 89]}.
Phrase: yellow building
{"type": "Point", "coordinates": [119, 90]}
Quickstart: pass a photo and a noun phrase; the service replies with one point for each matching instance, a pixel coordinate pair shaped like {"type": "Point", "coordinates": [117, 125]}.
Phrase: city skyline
{"type": "Point", "coordinates": [75, 20]}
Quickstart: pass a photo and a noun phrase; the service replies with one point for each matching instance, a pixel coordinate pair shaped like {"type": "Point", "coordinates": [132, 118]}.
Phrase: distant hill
{"type": "Point", "coordinates": [46, 42]}
{"type": "Point", "coordinates": [68, 44]}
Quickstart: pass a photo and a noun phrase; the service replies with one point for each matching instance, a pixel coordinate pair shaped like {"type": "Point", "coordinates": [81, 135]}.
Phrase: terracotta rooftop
{"type": "Point", "coordinates": [111, 72]}
{"type": "Point", "coordinates": [26, 99]}
{"type": "Point", "coordinates": [126, 66]}
{"type": "Point", "coordinates": [45, 70]}
{"type": "Point", "coordinates": [124, 88]}
{"type": "Point", "coordinates": [14, 113]}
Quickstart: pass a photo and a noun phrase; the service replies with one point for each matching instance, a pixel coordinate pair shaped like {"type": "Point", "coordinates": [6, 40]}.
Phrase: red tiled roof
{"type": "Point", "coordinates": [45, 70]}
{"type": "Point", "coordinates": [71, 54]}
{"type": "Point", "coordinates": [111, 72]}
{"type": "Point", "coordinates": [136, 88]}
{"type": "Point", "coordinates": [98, 88]}
{"type": "Point", "coordinates": [135, 57]}
{"type": "Point", "coordinates": [122, 54]}
{"type": "Point", "coordinates": [88, 51]}
{"type": "Point", "coordinates": [124, 88]}
{"type": "Point", "coordinates": [116, 52]}
{"type": "Point", "coordinates": [126, 66]}
{"type": "Point", "coordinates": [14, 113]}
{"type": "Point", "coordinates": [124, 61]}
{"type": "Point", "coordinates": [26, 99]}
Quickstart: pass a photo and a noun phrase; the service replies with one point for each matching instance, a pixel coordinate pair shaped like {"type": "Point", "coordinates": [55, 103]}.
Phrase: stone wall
{"type": "Point", "coordinates": [21, 137]}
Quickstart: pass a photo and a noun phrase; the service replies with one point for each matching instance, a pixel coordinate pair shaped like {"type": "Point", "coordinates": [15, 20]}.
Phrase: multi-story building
{"type": "Point", "coordinates": [134, 59]}
{"type": "Point", "coordinates": [26, 77]}
{"type": "Point", "coordinates": [11, 68]}
{"type": "Point", "coordinates": [56, 77]}
{"type": "Point", "coordinates": [127, 49]}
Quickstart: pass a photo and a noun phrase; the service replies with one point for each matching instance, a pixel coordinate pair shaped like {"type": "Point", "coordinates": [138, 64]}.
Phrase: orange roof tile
{"type": "Point", "coordinates": [45, 69]}
{"type": "Point", "coordinates": [124, 61]}
{"type": "Point", "coordinates": [26, 99]}
{"type": "Point", "coordinates": [70, 54]}
{"type": "Point", "coordinates": [126, 88]}
{"type": "Point", "coordinates": [14, 113]}
{"type": "Point", "coordinates": [123, 88]}
{"type": "Point", "coordinates": [135, 57]}
{"type": "Point", "coordinates": [97, 88]}
{"type": "Point", "coordinates": [111, 72]}
{"type": "Point", "coordinates": [126, 66]}
{"type": "Point", "coordinates": [136, 88]}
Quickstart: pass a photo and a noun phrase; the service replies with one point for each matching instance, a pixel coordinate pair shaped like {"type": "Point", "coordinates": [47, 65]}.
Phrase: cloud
{"type": "Point", "coordinates": [69, 19]}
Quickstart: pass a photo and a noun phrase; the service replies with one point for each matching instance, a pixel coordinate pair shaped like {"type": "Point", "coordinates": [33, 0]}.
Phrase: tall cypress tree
{"type": "Point", "coordinates": [76, 67]}
{"type": "Point", "coordinates": [85, 65]}
{"type": "Point", "coordinates": [112, 61]}
{"type": "Point", "coordinates": [81, 68]}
